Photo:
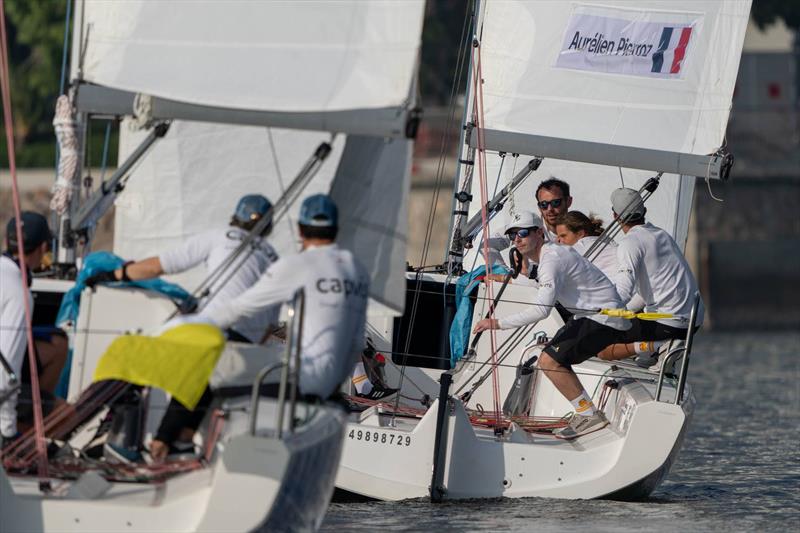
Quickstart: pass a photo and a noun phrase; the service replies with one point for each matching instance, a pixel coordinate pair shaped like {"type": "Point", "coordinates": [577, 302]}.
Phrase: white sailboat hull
{"type": "Point", "coordinates": [256, 483]}
{"type": "Point", "coordinates": [625, 460]}
{"type": "Point", "coordinates": [250, 482]}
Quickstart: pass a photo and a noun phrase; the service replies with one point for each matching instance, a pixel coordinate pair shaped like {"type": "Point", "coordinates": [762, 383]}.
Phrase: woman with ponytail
{"type": "Point", "coordinates": [580, 231]}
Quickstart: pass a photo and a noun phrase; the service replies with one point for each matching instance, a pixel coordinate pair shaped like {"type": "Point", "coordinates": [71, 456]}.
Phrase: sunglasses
{"type": "Point", "coordinates": [555, 203]}
{"type": "Point", "coordinates": [521, 233]}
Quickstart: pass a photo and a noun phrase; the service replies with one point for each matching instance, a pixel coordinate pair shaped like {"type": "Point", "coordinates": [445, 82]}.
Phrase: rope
{"type": "Point", "coordinates": [435, 197]}
{"type": "Point", "coordinates": [478, 111]}
{"type": "Point", "coordinates": [41, 447]}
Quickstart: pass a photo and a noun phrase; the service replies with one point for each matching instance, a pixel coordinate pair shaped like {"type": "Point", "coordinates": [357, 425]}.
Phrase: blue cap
{"type": "Point", "coordinates": [251, 207]}
{"type": "Point", "coordinates": [35, 231]}
{"type": "Point", "coordinates": [319, 211]}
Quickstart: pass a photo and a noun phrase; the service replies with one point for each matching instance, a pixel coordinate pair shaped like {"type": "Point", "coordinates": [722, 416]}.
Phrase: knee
{"type": "Point", "coordinates": [546, 362]}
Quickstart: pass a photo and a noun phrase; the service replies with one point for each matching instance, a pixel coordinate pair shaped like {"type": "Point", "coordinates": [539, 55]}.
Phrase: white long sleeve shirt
{"type": "Point", "coordinates": [606, 260]}
{"type": "Point", "coordinates": [336, 291]}
{"type": "Point", "coordinates": [213, 247]}
{"type": "Point", "coordinates": [12, 336]}
{"type": "Point", "coordinates": [651, 264]}
{"type": "Point", "coordinates": [565, 276]}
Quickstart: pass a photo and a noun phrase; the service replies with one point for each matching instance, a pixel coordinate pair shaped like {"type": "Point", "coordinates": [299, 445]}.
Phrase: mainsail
{"type": "Point", "coordinates": [345, 67]}
{"type": "Point", "coordinates": [650, 75]}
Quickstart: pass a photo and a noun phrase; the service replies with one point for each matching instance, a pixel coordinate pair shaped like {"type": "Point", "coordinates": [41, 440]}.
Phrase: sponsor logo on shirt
{"type": "Point", "coordinates": [343, 286]}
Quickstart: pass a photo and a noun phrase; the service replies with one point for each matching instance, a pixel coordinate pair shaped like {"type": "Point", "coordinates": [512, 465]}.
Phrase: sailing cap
{"type": "Point", "coordinates": [526, 219]}
{"type": "Point", "coordinates": [35, 231]}
{"type": "Point", "coordinates": [251, 207]}
{"type": "Point", "coordinates": [319, 211]}
{"type": "Point", "coordinates": [628, 201]}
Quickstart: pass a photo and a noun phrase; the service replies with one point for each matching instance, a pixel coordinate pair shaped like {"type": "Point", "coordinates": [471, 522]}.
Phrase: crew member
{"type": "Point", "coordinates": [212, 248]}
{"type": "Point", "coordinates": [565, 276]}
{"type": "Point", "coordinates": [581, 232]}
{"type": "Point", "coordinates": [520, 232]}
{"type": "Point", "coordinates": [50, 347]}
{"type": "Point", "coordinates": [336, 288]}
{"type": "Point", "coordinates": [553, 200]}
{"type": "Point", "coordinates": [652, 265]}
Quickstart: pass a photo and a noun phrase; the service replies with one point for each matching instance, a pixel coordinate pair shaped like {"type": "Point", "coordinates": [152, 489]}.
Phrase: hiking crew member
{"type": "Point", "coordinates": [336, 289]}
{"type": "Point", "coordinates": [652, 265]}
{"type": "Point", "coordinates": [520, 232]}
{"type": "Point", "coordinates": [212, 248]}
{"type": "Point", "coordinates": [553, 199]}
{"type": "Point", "coordinates": [51, 346]}
{"type": "Point", "coordinates": [581, 232]}
{"type": "Point", "coordinates": [582, 288]}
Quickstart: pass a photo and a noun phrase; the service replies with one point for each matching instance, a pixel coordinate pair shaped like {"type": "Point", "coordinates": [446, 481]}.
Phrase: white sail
{"type": "Point", "coordinates": [191, 180]}
{"type": "Point", "coordinates": [532, 83]}
{"type": "Point", "coordinates": [328, 66]}
{"type": "Point", "coordinates": [573, 71]}
{"type": "Point", "coordinates": [270, 55]}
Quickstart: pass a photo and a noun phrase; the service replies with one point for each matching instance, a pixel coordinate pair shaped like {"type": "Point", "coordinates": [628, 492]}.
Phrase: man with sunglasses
{"type": "Point", "coordinates": [553, 200]}
{"type": "Point", "coordinates": [567, 277]}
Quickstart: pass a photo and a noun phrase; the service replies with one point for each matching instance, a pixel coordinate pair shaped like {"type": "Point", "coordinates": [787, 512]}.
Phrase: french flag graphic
{"type": "Point", "coordinates": [671, 50]}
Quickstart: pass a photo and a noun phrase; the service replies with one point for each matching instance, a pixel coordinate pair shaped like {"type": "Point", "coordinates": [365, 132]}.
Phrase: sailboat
{"type": "Point", "coordinates": [601, 94]}
{"type": "Point", "coordinates": [221, 99]}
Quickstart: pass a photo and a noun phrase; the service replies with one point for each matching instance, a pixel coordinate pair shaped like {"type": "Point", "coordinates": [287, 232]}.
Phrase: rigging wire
{"type": "Point", "coordinates": [438, 182]}
{"type": "Point", "coordinates": [38, 419]}
{"type": "Point", "coordinates": [279, 174]}
{"type": "Point", "coordinates": [478, 110]}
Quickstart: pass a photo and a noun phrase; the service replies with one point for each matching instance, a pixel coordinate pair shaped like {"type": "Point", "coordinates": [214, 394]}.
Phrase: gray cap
{"type": "Point", "coordinates": [525, 219]}
{"type": "Point", "coordinates": [628, 202]}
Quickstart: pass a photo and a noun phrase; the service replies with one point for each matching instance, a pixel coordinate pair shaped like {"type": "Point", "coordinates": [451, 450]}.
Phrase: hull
{"type": "Point", "coordinates": [254, 483]}
{"type": "Point", "coordinates": [626, 460]}
{"type": "Point", "coordinates": [246, 482]}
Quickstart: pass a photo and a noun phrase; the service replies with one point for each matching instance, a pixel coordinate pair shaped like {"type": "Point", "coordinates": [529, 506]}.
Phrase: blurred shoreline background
{"type": "Point", "coordinates": [745, 251]}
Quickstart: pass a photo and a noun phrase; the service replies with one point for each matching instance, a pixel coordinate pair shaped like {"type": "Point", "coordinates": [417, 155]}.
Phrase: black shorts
{"type": "Point", "coordinates": [650, 330]}
{"type": "Point", "coordinates": [579, 339]}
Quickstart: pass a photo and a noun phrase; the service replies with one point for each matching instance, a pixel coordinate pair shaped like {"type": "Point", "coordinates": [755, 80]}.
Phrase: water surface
{"type": "Point", "coordinates": [739, 469]}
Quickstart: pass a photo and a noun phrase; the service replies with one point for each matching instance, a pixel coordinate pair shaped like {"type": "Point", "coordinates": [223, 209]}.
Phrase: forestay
{"type": "Point", "coordinates": [651, 74]}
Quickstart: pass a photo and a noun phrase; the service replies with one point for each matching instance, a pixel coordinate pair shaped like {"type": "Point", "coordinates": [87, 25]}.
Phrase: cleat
{"type": "Point", "coordinates": [582, 425]}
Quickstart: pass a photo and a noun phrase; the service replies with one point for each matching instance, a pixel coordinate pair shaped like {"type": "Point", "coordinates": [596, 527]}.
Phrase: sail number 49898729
{"type": "Point", "coordinates": [379, 437]}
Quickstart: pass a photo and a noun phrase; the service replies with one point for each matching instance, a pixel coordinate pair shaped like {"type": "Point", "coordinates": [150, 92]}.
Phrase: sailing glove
{"type": "Point", "coordinates": [100, 277]}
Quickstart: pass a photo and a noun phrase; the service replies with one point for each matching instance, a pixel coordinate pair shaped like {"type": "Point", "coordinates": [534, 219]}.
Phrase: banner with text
{"type": "Point", "coordinates": [633, 43]}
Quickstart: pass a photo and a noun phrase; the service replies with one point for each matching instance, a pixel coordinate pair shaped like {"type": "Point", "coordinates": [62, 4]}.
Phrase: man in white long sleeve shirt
{"type": "Point", "coordinates": [336, 288]}
{"type": "Point", "coordinates": [211, 248]}
{"type": "Point", "coordinates": [652, 265]}
{"type": "Point", "coordinates": [583, 289]}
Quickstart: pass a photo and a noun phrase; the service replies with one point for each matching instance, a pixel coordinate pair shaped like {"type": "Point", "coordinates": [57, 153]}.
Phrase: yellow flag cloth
{"type": "Point", "coordinates": [180, 360]}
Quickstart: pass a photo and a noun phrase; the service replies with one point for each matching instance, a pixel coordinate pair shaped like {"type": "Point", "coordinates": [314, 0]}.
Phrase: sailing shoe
{"type": "Point", "coordinates": [119, 454]}
{"type": "Point", "coordinates": [378, 393]}
{"type": "Point", "coordinates": [581, 425]}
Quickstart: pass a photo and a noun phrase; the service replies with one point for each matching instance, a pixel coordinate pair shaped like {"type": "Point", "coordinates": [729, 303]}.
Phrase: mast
{"type": "Point", "coordinates": [462, 186]}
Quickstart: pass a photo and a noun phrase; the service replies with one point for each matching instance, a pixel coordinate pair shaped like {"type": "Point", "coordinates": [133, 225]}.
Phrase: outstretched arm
{"type": "Point", "coordinates": [276, 285]}
{"type": "Point", "coordinates": [144, 269]}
